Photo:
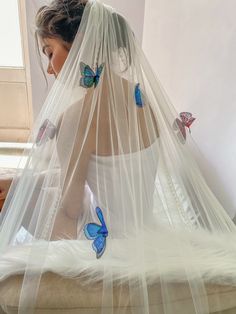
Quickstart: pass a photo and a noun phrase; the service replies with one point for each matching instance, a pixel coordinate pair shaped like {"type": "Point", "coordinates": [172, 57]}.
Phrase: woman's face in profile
{"type": "Point", "coordinates": [56, 51]}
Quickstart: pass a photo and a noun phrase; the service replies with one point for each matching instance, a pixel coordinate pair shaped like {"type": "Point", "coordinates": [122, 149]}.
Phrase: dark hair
{"type": "Point", "coordinates": [60, 19]}
{"type": "Point", "coordinates": [121, 29]}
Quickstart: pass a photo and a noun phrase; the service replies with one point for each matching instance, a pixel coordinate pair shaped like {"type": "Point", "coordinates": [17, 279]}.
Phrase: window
{"type": "Point", "coordinates": [10, 44]}
{"type": "Point", "coordinates": [15, 87]}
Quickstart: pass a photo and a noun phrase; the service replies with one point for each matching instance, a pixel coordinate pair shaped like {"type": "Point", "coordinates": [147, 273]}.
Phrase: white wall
{"type": "Point", "coordinates": [39, 88]}
{"type": "Point", "coordinates": [192, 46]}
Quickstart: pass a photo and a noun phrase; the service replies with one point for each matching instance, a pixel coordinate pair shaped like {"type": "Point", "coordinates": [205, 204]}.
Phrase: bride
{"type": "Point", "coordinates": [110, 181]}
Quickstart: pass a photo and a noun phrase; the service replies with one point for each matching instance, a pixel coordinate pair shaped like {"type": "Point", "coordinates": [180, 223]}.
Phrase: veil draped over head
{"type": "Point", "coordinates": [110, 191]}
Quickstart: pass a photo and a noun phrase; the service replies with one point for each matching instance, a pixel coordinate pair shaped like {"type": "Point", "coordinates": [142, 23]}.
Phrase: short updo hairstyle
{"type": "Point", "coordinates": [60, 19]}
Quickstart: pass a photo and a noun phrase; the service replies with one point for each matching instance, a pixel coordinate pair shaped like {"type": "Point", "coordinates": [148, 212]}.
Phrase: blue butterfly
{"type": "Point", "coordinates": [139, 98]}
{"type": "Point", "coordinates": [89, 78]}
{"type": "Point", "coordinates": [98, 233]}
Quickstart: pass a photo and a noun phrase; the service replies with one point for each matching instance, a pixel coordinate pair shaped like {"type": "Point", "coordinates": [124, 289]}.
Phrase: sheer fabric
{"type": "Point", "coordinates": [110, 191]}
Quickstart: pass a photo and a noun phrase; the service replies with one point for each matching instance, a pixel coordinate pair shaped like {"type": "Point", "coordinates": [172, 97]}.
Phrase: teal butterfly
{"type": "Point", "coordinates": [89, 77]}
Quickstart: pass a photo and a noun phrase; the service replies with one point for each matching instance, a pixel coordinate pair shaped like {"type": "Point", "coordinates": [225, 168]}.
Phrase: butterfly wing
{"type": "Point", "coordinates": [91, 231]}
{"type": "Point", "coordinates": [51, 130]}
{"type": "Point", "coordinates": [138, 96]}
{"type": "Point", "coordinates": [99, 69]}
{"type": "Point", "coordinates": [187, 118]}
{"type": "Point", "coordinates": [99, 245]}
{"type": "Point", "coordinates": [97, 233]}
{"type": "Point", "coordinates": [103, 230]}
{"type": "Point", "coordinates": [42, 134]}
{"type": "Point", "coordinates": [175, 125]}
{"type": "Point", "coordinates": [86, 70]}
{"type": "Point", "coordinates": [87, 79]}
{"type": "Point", "coordinates": [98, 74]}
{"type": "Point", "coordinates": [86, 82]}
{"type": "Point", "coordinates": [181, 128]}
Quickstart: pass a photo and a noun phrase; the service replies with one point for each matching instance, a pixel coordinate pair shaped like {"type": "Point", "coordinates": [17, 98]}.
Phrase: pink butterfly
{"type": "Point", "coordinates": [179, 125]}
{"type": "Point", "coordinates": [47, 131]}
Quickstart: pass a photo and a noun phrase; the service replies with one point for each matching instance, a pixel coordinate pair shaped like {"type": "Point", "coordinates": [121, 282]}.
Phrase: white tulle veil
{"type": "Point", "coordinates": [110, 190]}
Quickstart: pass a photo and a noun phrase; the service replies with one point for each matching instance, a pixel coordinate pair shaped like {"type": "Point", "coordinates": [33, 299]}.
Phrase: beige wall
{"type": "Point", "coordinates": [192, 46]}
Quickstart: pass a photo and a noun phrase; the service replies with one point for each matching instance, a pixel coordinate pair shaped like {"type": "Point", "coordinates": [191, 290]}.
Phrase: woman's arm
{"type": "Point", "coordinates": [83, 147]}
{"type": "Point", "coordinates": [74, 186]}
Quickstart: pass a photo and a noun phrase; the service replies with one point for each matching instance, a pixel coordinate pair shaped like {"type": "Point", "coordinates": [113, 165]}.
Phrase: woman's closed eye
{"type": "Point", "coordinates": [48, 54]}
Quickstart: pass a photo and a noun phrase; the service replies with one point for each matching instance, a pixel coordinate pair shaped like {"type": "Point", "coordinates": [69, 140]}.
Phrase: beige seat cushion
{"type": "Point", "coordinates": [68, 296]}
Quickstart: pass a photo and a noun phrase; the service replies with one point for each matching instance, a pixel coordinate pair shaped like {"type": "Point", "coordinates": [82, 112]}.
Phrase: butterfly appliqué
{"type": "Point", "coordinates": [98, 233]}
{"type": "Point", "coordinates": [89, 77]}
{"type": "Point", "coordinates": [139, 97]}
{"type": "Point", "coordinates": [46, 132]}
{"type": "Point", "coordinates": [180, 125]}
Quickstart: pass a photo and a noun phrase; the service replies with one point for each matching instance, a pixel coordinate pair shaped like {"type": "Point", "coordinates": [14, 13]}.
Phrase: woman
{"type": "Point", "coordinates": [56, 42]}
{"type": "Point", "coordinates": [110, 178]}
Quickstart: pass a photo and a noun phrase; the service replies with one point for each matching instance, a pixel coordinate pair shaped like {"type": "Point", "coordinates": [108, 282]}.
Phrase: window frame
{"type": "Point", "coordinates": [14, 75]}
